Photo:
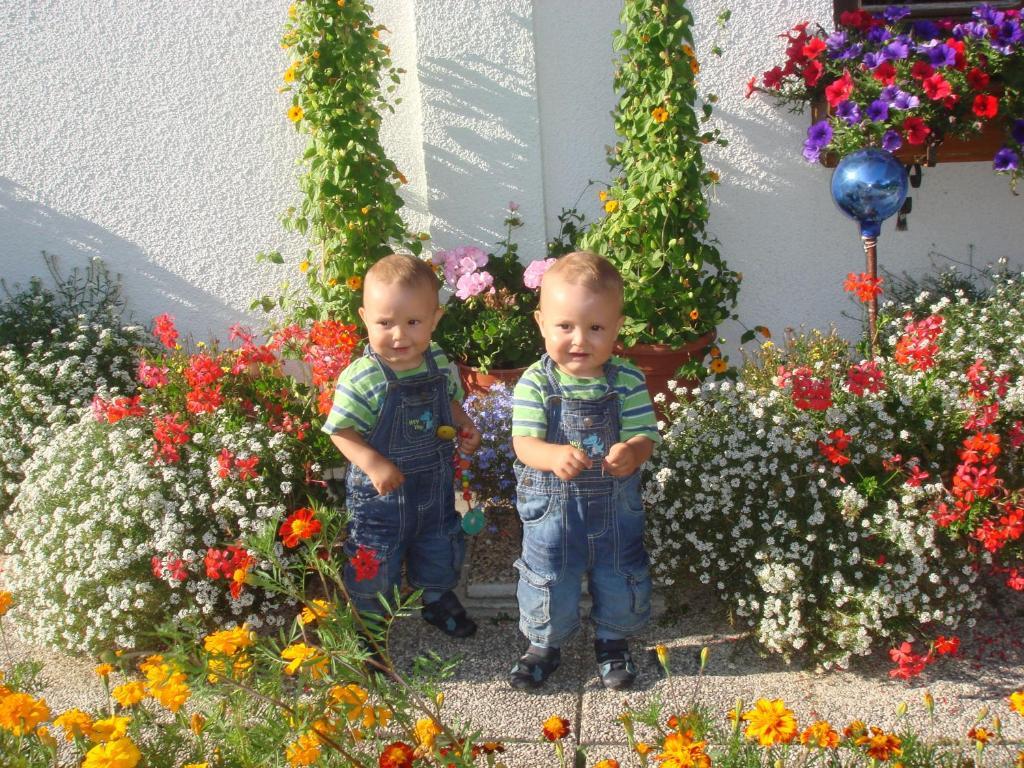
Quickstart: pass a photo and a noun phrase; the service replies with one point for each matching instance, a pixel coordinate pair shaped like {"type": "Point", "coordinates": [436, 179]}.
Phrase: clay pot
{"type": "Point", "coordinates": [476, 382]}
{"type": "Point", "coordinates": [659, 362]}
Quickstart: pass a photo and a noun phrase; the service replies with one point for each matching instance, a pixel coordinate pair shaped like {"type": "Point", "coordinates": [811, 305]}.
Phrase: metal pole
{"type": "Point", "coordinates": [870, 250]}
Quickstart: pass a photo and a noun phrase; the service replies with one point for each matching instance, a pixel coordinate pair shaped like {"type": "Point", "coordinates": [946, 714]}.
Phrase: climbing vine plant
{"type": "Point", "coordinates": [341, 79]}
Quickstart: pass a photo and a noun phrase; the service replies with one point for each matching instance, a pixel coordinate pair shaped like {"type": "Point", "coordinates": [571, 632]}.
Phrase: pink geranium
{"type": "Point", "coordinates": [535, 271]}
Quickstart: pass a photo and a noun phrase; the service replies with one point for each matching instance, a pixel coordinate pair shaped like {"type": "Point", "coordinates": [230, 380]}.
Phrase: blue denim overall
{"type": "Point", "coordinates": [592, 524]}
{"type": "Point", "coordinates": [417, 522]}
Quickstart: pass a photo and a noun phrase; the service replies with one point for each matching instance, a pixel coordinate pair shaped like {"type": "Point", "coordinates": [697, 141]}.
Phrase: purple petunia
{"type": "Point", "coordinates": [873, 59]}
{"type": "Point", "coordinates": [849, 111]}
{"type": "Point", "coordinates": [942, 56]}
{"type": "Point", "coordinates": [878, 35]}
{"type": "Point", "coordinates": [905, 100]}
{"type": "Point", "coordinates": [1017, 131]}
{"type": "Point", "coordinates": [897, 50]}
{"type": "Point", "coordinates": [836, 41]}
{"type": "Point", "coordinates": [878, 111]}
{"type": "Point", "coordinates": [926, 30]}
{"type": "Point", "coordinates": [988, 14]}
{"type": "Point", "coordinates": [1007, 36]}
{"type": "Point", "coordinates": [852, 52]}
{"type": "Point", "coordinates": [818, 137]}
{"type": "Point", "coordinates": [1006, 160]}
{"type": "Point", "coordinates": [896, 12]}
{"type": "Point", "coordinates": [888, 94]}
{"type": "Point", "coordinates": [891, 141]}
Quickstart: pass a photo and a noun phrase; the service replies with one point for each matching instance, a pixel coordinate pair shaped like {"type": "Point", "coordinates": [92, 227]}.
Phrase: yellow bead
{"type": "Point", "coordinates": [446, 432]}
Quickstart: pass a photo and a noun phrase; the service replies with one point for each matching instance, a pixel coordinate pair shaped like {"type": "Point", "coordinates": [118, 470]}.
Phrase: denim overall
{"type": "Point", "coordinates": [417, 522]}
{"type": "Point", "coordinates": [592, 524]}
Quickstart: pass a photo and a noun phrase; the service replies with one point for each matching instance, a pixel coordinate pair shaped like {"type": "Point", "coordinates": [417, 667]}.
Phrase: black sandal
{"type": "Point", "coordinates": [533, 668]}
{"type": "Point", "coordinates": [447, 614]}
{"type": "Point", "coordinates": [614, 664]}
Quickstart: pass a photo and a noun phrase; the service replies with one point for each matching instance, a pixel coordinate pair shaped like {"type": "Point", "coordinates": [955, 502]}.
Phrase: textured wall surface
{"type": "Point", "coordinates": [152, 134]}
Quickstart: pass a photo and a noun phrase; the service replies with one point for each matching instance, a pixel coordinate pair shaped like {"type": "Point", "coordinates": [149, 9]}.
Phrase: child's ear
{"type": "Point", "coordinates": [362, 315]}
{"type": "Point", "coordinates": [539, 319]}
{"type": "Point", "coordinates": [618, 327]}
{"type": "Point", "coordinates": [438, 313]}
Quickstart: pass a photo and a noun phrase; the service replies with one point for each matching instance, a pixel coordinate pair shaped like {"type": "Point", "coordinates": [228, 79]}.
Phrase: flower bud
{"type": "Point", "coordinates": [901, 708]}
{"type": "Point", "coordinates": [705, 652]}
{"type": "Point", "coordinates": [929, 702]}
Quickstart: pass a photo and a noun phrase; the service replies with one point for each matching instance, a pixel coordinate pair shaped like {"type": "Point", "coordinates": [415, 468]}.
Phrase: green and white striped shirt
{"type": "Point", "coordinates": [359, 393]}
{"type": "Point", "coordinates": [636, 413]}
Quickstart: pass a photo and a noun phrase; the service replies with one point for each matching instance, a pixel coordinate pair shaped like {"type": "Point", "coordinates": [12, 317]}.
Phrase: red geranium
{"type": "Point", "coordinates": [163, 329]}
{"type": "Point", "coordinates": [864, 285]}
{"type": "Point", "coordinates": [365, 563]}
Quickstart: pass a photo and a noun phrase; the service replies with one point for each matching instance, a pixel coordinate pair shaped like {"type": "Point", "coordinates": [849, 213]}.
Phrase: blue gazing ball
{"type": "Point", "coordinates": [869, 185]}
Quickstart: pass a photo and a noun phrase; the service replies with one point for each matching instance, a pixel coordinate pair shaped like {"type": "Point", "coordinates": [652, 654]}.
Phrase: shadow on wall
{"type": "Point", "coordinates": [27, 228]}
{"type": "Point", "coordinates": [483, 132]}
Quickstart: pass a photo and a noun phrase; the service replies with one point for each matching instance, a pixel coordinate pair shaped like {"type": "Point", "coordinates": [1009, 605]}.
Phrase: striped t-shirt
{"type": "Point", "coordinates": [636, 414]}
{"type": "Point", "coordinates": [359, 393]}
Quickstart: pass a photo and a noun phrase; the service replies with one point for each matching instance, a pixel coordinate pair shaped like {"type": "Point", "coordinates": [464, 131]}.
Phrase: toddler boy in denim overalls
{"type": "Point", "coordinates": [389, 416]}
{"type": "Point", "coordinates": [582, 426]}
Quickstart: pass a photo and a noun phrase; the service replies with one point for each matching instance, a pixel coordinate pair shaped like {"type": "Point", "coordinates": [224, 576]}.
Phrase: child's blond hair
{"type": "Point", "coordinates": [586, 269]}
{"type": "Point", "coordinates": [403, 270]}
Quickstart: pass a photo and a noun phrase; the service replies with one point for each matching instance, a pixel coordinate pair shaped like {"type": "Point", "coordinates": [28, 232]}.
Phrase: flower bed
{"type": "Point", "coordinates": [837, 505]}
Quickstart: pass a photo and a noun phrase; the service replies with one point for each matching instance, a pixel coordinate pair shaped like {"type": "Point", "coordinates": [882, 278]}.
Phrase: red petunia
{"type": "Point", "coordinates": [751, 87]}
{"type": "Point", "coordinates": [773, 78]}
{"type": "Point", "coordinates": [813, 47]}
{"type": "Point", "coordinates": [885, 73]}
{"type": "Point", "coordinates": [840, 89]}
{"type": "Point", "coordinates": [916, 129]}
{"type": "Point", "coordinates": [985, 105]}
{"type": "Point", "coordinates": [365, 563]}
{"type": "Point", "coordinates": [936, 87]}
{"type": "Point", "coordinates": [978, 79]}
{"type": "Point", "coordinates": [921, 70]}
{"type": "Point", "coordinates": [812, 72]}
{"type": "Point", "coordinates": [300, 525]}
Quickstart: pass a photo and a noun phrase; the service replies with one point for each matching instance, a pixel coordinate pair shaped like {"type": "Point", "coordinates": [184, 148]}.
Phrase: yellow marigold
{"type": "Point", "coordinates": [642, 748]}
{"type": "Point", "coordinates": [228, 642]}
{"type": "Point", "coordinates": [104, 670]}
{"type": "Point", "coordinates": [882, 746]}
{"type": "Point", "coordinates": [196, 765]}
{"type": "Point", "coordinates": [75, 722]}
{"type": "Point", "coordinates": [718, 365]}
{"type": "Point", "coordinates": [555, 728]}
{"type": "Point", "coordinates": [426, 730]}
{"type": "Point", "coordinates": [300, 654]}
{"type": "Point", "coordinates": [1017, 702]}
{"type": "Point", "coordinates": [6, 601]}
{"type": "Point", "coordinates": [110, 728]}
{"type": "Point", "coordinates": [121, 753]}
{"type": "Point", "coordinates": [303, 751]}
{"type": "Point", "coordinates": [218, 667]}
{"type": "Point", "coordinates": [20, 713]}
{"type": "Point", "coordinates": [681, 751]}
{"type": "Point", "coordinates": [609, 763]}
{"type": "Point", "coordinates": [156, 660]}
{"type": "Point", "coordinates": [610, 206]}
{"type": "Point", "coordinates": [770, 723]}
{"type": "Point", "coordinates": [659, 114]}
{"type": "Point", "coordinates": [316, 610]}
{"type": "Point", "coordinates": [295, 113]}
{"type": "Point", "coordinates": [820, 734]}
{"type": "Point", "coordinates": [129, 694]}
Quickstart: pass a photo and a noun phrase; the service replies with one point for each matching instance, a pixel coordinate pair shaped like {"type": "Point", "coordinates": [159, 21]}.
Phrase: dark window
{"type": "Point", "coordinates": [955, 9]}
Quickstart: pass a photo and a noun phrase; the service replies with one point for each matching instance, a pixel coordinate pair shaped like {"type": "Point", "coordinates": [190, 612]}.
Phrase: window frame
{"type": "Point", "coordinates": [953, 9]}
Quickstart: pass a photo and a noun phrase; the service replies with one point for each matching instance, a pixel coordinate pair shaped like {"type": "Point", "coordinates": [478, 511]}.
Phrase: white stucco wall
{"type": "Point", "coordinates": [152, 134]}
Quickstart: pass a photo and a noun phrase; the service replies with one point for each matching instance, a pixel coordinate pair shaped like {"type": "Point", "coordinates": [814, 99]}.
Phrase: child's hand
{"type": "Point", "coordinates": [469, 438]}
{"type": "Point", "coordinates": [385, 476]}
{"type": "Point", "coordinates": [567, 462]}
{"type": "Point", "coordinates": [621, 460]}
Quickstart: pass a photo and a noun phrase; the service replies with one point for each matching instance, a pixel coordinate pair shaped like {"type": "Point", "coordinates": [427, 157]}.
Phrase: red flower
{"type": "Point", "coordinates": [916, 130]}
{"type": "Point", "coordinates": [865, 376]}
{"type": "Point", "coordinates": [917, 347]}
{"type": "Point", "coordinates": [168, 433]}
{"type": "Point", "coordinates": [812, 72]}
{"type": "Point", "coordinates": [813, 47]}
{"type": "Point", "coordinates": [946, 645]}
{"type": "Point", "coordinates": [224, 459]}
{"type": "Point", "coordinates": [751, 87]}
{"type": "Point", "coordinates": [246, 467]}
{"type": "Point", "coordinates": [301, 525]}
{"type": "Point", "coordinates": [864, 285]}
{"type": "Point", "coordinates": [1015, 580]}
{"type": "Point", "coordinates": [172, 567]}
{"type": "Point", "coordinates": [985, 105]}
{"type": "Point", "coordinates": [151, 375]}
{"type": "Point", "coordinates": [921, 70]}
{"type": "Point", "coordinates": [810, 393]}
{"type": "Point", "coordinates": [773, 78]}
{"type": "Point", "coordinates": [163, 329]}
{"type": "Point", "coordinates": [909, 664]}
{"type": "Point", "coordinates": [945, 517]}
{"type": "Point", "coordinates": [397, 755]}
{"type": "Point", "coordinates": [983, 418]}
{"type": "Point", "coordinates": [885, 73]}
{"type": "Point", "coordinates": [859, 19]}
{"type": "Point", "coordinates": [117, 409]}
{"type": "Point", "coordinates": [365, 563]}
{"type": "Point", "coordinates": [977, 79]}
{"type": "Point", "coordinates": [840, 89]}
{"type": "Point", "coordinates": [1016, 434]}
{"type": "Point", "coordinates": [202, 370]}
{"type": "Point", "coordinates": [936, 87]}
{"type": "Point", "coordinates": [915, 477]}
{"type": "Point", "coordinates": [833, 451]}
{"type": "Point", "coordinates": [203, 399]}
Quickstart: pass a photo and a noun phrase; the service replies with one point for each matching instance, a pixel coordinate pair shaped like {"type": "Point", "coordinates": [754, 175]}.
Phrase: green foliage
{"type": "Point", "coordinates": [351, 203]}
{"type": "Point", "coordinates": [677, 285]}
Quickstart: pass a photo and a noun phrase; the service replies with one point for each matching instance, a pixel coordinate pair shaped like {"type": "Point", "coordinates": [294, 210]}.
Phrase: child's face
{"type": "Point", "coordinates": [579, 326]}
{"type": "Point", "coordinates": [399, 321]}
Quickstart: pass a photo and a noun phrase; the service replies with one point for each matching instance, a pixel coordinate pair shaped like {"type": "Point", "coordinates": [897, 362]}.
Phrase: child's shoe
{"type": "Point", "coordinates": [615, 663]}
{"type": "Point", "coordinates": [447, 614]}
{"type": "Point", "coordinates": [534, 667]}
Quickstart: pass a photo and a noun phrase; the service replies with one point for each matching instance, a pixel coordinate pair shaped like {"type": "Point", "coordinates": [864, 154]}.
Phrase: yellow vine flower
{"type": "Point", "coordinates": [6, 601]}
{"type": "Point", "coordinates": [718, 365]}
{"type": "Point", "coordinates": [770, 723]}
{"type": "Point", "coordinates": [610, 206]}
{"type": "Point", "coordinates": [295, 113]}
{"type": "Point", "coordinates": [354, 283]}
{"type": "Point", "coordinates": [659, 114]}
{"type": "Point", "coordinates": [289, 74]}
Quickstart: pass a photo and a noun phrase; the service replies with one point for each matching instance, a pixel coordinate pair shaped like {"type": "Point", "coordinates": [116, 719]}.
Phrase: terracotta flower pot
{"type": "Point", "coordinates": [659, 362]}
{"type": "Point", "coordinates": [476, 382]}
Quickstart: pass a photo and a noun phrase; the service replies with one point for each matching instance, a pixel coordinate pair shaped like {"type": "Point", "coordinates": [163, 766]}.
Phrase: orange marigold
{"type": "Point", "coordinates": [555, 728]}
{"type": "Point", "coordinates": [770, 722]}
{"type": "Point", "coordinates": [20, 713]}
{"type": "Point", "coordinates": [397, 755]}
{"type": "Point", "coordinates": [1017, 702]}
{"type": "Point", "coordinates": [681, 751]}
{"type": "Point", "coordinates": [820, 734]}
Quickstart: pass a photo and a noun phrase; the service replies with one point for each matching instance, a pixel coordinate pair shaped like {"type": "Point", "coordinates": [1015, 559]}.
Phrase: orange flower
{"type": "Point", "coordinates": [694, 314]}
{"type": "Point", "coordinates": [882, 746]}
{"type": "Point", "coordinates": [820, 734]}
{"type": "Point", "coordinates": [5, 602]}
{"type": "Point", "coordinates": [609, 763]}
{"type": "Point", "coordinates": [301, 525]}
{"type": "Point", "coordinates": [304, 266]}
{"type": "Point", "coordinates": [397, 755]}
{"type": "Point", "coordinates": [21, 713]}
{"type": "Point", "coordinates": [555, 728]}
{"type": "Point", "coordinates": [694, 66]}
{"type": "Point", "coordinates": [1017, 702]}
{"type": "Point", "coordinates": [718, 365]}
{"type": "Point", "coordinates": [642, 748]}
{"type": "Point", "coordinates": [104, 670]}
{"type": "Point", "coordinates": [864, 285]}
{"type": "Point", "coordinates": [980, 735]}
{"type": "Point", "coordinates": [770, 723]}
{"type": "Point", "coordinates": [610, 206]}
{"type": "Point", "coordinates": [354, 283]}
{"type": "Point", "coordinates": [295, 113]}
{"type": "Point", "coordinates": [659, 114]}
{"type": "Point", "coordinates": [681, 751]}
